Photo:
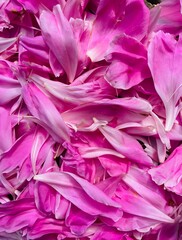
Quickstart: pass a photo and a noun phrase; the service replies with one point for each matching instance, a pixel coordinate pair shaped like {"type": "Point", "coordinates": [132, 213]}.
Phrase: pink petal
{"type": "Point", "coordinates": [91, 199]}
{"type": "Point", "coordinates": [59, 37]}
{"type": "Point", "coordinates": [18, 214]}
{"type": "Point", "coordinates": [126, 145]}
{"type": "Point", "coordinates": [169, 172]}
{"type": "Point", "coordinates": [5, 43]}
{"type": "Point", "coordinates": [166, 72]}
{"type": "Point", "coordinates": [128, 59]}
{"type": "Point", "coordinates": [43, 109]}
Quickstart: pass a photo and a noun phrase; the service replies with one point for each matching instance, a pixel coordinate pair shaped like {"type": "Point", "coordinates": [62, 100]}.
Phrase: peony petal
{"type": "Point", "coordinates": [91, 199]}
{"type": "Point", "coordinates": [169, 172]}
{"type": "Point", "coordinates": [42, 108]}
{"type": "Point", "coordinates": [126, 145]}
{"type": "Point", "coordinates": [128, 59]}
{"type": "Point", "coordinates": [166, 72]}
{"type": "Point", "coordinates": [59, 37]}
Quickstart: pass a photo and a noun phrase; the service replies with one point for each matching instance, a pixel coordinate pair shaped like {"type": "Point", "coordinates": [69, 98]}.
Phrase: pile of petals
{"type": "Point", "coordinates": [90, 120]}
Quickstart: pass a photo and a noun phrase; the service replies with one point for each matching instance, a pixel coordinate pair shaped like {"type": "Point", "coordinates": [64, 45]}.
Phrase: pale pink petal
{"type": "Point", "coordinates": [5, 43]}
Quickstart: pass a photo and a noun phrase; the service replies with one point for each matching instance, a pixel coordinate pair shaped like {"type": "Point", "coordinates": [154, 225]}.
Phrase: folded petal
{"type": "Point", "coordinates": [118, 17]}
{"type": "Point", "coordinates": [109, 12]}
{"type": "Point", "coordinates": [126, 145]}
{"type": "Point", "coordinates": [17, 215]}
{"type": "Point", "coordinates": [43, 109]}
{"type": "Point", "coordinates": [59, 37]}
{"type": "Point", "coordinates": [169, 172]}
{"type": "Point", "coordinates": [128, 59]}
{"type": "Point", "coordinates": [166, 72]}
{"type": "Point", "coordinates": [79, 221]}
{"type": "Point", "coordinates": [5, 43]}
{"type": "Point", "coordinates": [91, 199]}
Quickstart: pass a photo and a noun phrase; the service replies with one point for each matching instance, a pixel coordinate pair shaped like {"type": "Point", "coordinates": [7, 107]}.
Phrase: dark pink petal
{"type": "Point", "coordinates": [118, 18]}
{"type": "Point", "coordinates": [136, 19]}
{"type": "Point", "coordinates": [17, 215]}
{"type": "Point", "coordinates": [109, 12]}
{"type": "Point", "coordinates": [78, 221]}
{"type": "Point", "coordinates": [48, 229]}
{"type": "Point", "coordinates": [169, 232]}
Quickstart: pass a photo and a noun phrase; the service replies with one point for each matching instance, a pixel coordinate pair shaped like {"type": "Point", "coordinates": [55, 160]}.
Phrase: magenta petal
{"type": "Point", "coordinates": [91, 199]}
{"type": "Point", "coordinates": [5, 130]}
{"type": "Point", "coordinates": [169, 86]}
{"type": "Point", "coordinates": [59, 37]}
{"type": "Point", "coordinates": [139, 13]}
{"type": "Point", "coordinates": [18, 214]}
{"type": "Point", "coordinates": [109, 12]}
{"type": "Point", "coordinates": [42, 108]}
{"type": "Point", "coordinates": [79, 221]}
{"type": "Point", "coordinates": [128, 59]}
{"type": "Point", "coordinates": [126, 145]}
{"type": "Point", "coordinates": [169, 232]}
{"type": "Point", "coordinates": [169, 173]}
